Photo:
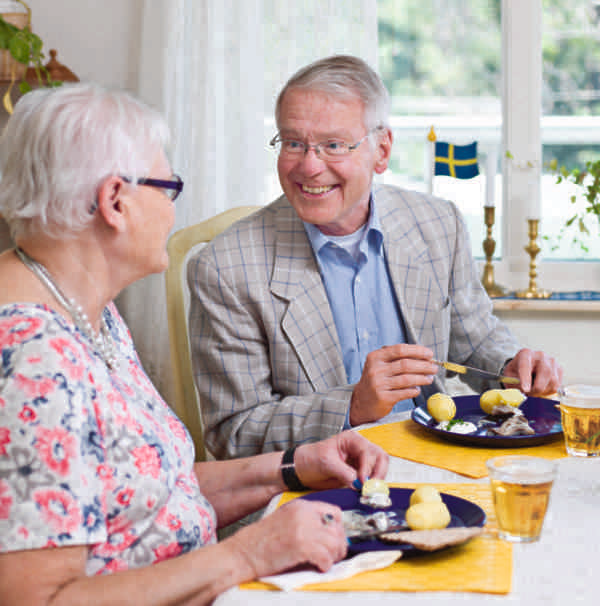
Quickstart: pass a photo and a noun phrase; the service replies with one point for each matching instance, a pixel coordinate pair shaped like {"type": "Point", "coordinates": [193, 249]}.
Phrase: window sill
{"type": "Point", "coordinates": [545, 305]}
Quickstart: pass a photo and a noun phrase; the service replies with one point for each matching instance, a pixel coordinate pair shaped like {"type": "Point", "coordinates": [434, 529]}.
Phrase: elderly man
{"type": "Point", "coordinates": [324, 310]}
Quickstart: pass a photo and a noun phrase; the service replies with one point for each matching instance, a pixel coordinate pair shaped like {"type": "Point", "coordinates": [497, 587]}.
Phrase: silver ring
{"type": "Point", "coordinates": [327, 518]}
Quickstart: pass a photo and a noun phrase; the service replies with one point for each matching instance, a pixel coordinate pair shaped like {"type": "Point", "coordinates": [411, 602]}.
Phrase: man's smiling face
{"type": "Point", "coordinates": [334, 196]}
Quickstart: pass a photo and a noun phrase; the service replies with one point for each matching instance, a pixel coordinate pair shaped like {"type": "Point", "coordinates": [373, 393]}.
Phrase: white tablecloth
{"type": "Point", "coordinates": [560, 569]}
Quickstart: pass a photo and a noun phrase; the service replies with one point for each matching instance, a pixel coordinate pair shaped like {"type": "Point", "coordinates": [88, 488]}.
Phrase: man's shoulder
{"type": "Point", "coordinates": [256, 231]}
{"type": "Point", "coordinates": [394, 202]}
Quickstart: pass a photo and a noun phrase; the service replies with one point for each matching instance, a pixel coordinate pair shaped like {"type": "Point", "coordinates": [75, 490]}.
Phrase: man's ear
{"type": "Point", "coordinates": [383, 150]}
{"type": "Point", "coordinates": [110, 201]}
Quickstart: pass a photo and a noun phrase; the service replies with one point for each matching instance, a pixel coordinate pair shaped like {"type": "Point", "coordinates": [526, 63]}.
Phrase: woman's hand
{"type": "Point", "coordinates": [300, 532]}
{"type": "Point", "coordinates": [339, 460]}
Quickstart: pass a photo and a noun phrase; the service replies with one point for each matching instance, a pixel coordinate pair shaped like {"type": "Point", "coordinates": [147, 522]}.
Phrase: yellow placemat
{"type": "Point", "coordinates": [482, 565]}
{"type": "Point", "coordinates": [408, 440]}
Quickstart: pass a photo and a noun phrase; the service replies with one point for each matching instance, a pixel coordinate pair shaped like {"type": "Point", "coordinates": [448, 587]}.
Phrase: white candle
{"type": "Point", "coordinates": [533, 203]}
{"type": "Point", "coordinates": [490, 177]}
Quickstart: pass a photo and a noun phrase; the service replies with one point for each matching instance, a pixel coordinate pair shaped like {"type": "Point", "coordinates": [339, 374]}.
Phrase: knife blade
{"type": "Point", "coordinates": [462, 369]}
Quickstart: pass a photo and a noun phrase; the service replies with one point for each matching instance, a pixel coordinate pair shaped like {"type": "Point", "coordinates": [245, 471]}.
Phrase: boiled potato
{"type": "Point", "coordinates": [441, 407]}
{"type": "Point", "coordinates": [425, 494]}
{"type": "Point", "coordinates": [512, 397]}
{"type": "Point", "coordinates": [427, 516]}
{"type": "Point", "coordinates": [497, 397]}
{"type": "Point", "coordinates": [489, 399]}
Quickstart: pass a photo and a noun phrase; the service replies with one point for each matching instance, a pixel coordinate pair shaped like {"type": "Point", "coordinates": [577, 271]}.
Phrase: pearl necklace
{"type": "Point", "coordinates": [102, 341]}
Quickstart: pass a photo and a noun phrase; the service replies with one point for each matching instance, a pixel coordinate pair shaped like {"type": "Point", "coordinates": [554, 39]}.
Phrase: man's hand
{"type": "Point", "coordinates": [540, 375]}
{"type": "Point", "coordinates": [391, 374]}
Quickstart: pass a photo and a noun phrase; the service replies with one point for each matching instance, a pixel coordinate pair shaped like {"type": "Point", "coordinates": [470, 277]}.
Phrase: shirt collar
{"type": "Point", "coordinates": [318, 239]}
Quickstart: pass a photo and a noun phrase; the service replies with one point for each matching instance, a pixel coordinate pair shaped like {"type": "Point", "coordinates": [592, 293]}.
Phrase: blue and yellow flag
{"type": "Point", "coordinates": [458, 161]}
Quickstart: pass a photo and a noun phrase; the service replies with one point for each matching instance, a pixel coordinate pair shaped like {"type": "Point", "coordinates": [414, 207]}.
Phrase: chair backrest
{"type": "Point", "coordinates": [180, 246]}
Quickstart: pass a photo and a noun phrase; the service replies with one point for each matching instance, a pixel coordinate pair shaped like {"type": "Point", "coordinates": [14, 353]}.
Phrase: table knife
{"type": "Point", "coordinates": [462, 369]}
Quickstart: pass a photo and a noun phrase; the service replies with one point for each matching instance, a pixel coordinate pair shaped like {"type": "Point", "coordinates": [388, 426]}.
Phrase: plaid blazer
{"type": "Point", "coordinates": [266, 354]}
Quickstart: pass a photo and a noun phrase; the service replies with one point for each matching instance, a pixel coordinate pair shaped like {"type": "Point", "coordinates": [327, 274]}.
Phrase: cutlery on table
{"type": "Point", "coordinates": [462, 369]}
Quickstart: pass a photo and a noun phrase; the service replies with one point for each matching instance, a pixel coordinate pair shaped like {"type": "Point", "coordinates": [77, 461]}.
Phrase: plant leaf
{"type": "Point", "coordinates": [19, 49]}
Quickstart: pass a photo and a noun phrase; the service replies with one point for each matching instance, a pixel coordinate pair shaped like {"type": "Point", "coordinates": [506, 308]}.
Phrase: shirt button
{"type": "Point", "coordinates": [365, 335]}
{"type": "Point", "coordinates": [358, 279]}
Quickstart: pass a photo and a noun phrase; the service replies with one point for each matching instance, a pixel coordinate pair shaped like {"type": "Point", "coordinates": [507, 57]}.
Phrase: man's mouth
{"type": "Point", "coordinates": [322, 189]}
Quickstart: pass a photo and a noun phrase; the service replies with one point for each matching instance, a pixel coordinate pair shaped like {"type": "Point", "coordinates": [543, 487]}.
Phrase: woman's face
{"type": "Point", "coordinates": [154, 216]}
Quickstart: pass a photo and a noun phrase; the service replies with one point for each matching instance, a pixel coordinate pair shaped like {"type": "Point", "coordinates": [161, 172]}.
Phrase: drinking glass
{"type": "Point", "coordinates": [580, 416]}
{"type": "Point", "coordinates": [521, 491]}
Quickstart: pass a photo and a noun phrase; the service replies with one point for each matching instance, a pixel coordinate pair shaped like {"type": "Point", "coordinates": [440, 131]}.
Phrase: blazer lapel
{"type": "Point", "coordinates": [307, 322]}
{"type": "Point", "coordinates": [408, 262]}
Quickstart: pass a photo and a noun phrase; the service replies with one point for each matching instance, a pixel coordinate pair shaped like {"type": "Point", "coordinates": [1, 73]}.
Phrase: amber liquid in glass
{"type": "Point", "coordinates": [520, 509]}
{"type": "Point", "coordinates": [581, 428]}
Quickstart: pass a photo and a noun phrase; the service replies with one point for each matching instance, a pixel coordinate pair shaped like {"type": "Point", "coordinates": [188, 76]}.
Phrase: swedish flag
{"type": "Point", "coordinates": [458, 161]}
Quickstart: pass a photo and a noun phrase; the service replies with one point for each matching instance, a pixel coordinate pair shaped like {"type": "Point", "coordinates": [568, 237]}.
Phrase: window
{"type": "Point", "coordinates": [443, 63]}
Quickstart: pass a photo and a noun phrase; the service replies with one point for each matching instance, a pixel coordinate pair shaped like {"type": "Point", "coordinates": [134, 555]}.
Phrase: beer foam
{"type": "Point", "coordinates": [580, 395]}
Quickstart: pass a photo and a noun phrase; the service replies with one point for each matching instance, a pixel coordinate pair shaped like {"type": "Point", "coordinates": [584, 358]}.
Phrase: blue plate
{"type": "Point", "coordinates": [541, 413]}
{"type": "Point", "coordinates": [462, 513]}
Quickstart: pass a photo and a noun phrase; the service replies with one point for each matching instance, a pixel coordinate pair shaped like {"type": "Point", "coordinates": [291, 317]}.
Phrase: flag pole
{"type": "Point", "coordinates": [431, 138]}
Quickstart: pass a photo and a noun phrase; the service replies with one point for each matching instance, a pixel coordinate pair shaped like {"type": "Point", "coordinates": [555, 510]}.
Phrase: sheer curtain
{"type": "Point", "coordinates": [214, 68]}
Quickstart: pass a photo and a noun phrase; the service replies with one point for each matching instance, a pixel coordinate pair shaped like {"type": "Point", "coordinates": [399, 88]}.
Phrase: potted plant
{"type": "Point", "coordinates": [23, 49]}
{"type": "Point", "coordinates": [587, 180]}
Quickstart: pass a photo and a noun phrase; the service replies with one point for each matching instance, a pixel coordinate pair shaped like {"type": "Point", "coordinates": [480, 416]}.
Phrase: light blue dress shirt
{"type": "Point", "coordinates": [365, 309]}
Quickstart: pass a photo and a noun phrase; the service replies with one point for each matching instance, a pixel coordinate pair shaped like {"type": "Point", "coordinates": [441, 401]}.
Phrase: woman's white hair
{"type": "Point", "coordinates": [61, 143]}
{"type": "Point", "coordinates": [344, 77]}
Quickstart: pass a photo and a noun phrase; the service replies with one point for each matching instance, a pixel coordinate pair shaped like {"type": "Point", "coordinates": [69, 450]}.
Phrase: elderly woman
{"type": "Point", "coordinates": [97, 479]}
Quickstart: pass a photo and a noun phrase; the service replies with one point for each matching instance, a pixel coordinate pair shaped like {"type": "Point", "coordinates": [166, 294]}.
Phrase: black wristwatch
{"type": "Point", "coordinates": [288, 471]}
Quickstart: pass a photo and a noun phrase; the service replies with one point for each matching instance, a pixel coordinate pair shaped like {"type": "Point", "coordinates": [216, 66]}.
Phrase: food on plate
{"type": "Point", "coordinates": [441, 407]}
{"type": "Point", "coordinates": [497, 397]}
{"type": "Point", "coordinates": [375, 493]}
{"type": "Point", "coordinates": [457, 426]}
{"type": "Point", "coordinates": [425, 494]}
{"type": "Point", "coordinates": [431, 540]}
{"type": "Point", "coordinates": [427, 516]}
{"type": "Point", "coordinates": [358, 522]}
{"type": "Point", "coordinates": [515, 425]}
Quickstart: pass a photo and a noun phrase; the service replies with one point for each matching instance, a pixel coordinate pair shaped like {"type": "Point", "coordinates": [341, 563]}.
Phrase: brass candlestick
{"type": "Point", "coordinates": [489, 245]}
{"type": "Point", "coordinates": [533, 248]}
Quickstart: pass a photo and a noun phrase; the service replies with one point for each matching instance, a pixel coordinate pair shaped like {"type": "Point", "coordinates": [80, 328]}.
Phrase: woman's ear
{"type": "Point", "coordinates": [110, 201]}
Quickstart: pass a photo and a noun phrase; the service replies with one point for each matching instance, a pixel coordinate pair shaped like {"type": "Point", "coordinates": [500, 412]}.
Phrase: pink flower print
{"type": "Point", "coordinates": [34, 360]}
{"type": "Point", "coordinates": [5, 500]}
{"type": "Point", "coordinates": [59, 509]}
{"type": "Point", "coordinates": [15, 330]}
{"type": "Point", "coordinates": [147, 460]}
{"type": "Point", "coordinates": [2, 402]}
{"type": "Point", "coordinates": [70, 357]}
{"type": "Point", "coordinates": [106, 474]}
{"type": "Point", "coordinates": [56, 447]}
{"type": "Point", "coordinates": [27, 414]}
{"type": "Point", "coordinates": [114, 565]}
{"type": "Point", "coordinates": [4, 439]}
{"type": "Point", "coordinates": [165, 552]}
{"type": "Point", "coordinates": [176, 427]}
{"type": "Point", "coordinates": [120, 537]}
{"type": "Point", "coordinates": [35, 388]}
{"type": "Point", "coordinates": [124, 496]}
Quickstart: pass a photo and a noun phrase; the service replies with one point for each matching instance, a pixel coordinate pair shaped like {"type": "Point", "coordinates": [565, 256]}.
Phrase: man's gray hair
{"type": "Point", "coordinates": [343, 77]}
{"type": "Point", "coordinates": [61, 143]}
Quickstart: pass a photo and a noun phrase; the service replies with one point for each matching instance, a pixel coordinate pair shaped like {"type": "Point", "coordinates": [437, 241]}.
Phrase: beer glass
{"type": "Point", "coordinates": [521, 492]}
{"type": "Point", "coordinates": [580, 416]}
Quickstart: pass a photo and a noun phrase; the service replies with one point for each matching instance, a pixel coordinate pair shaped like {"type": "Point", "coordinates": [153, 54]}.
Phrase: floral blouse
{"type": "Point", "coordinates": [90, 456]}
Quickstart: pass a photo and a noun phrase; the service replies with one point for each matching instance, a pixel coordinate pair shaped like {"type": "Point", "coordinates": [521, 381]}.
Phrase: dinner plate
{"type": "Point", "coordinates": [541, 413]}
{"type": "Point", "coordinates": [462, 513]}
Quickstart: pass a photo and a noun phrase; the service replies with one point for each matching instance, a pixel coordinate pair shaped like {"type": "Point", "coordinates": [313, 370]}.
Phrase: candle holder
{"type": "Point", "coordinates": [489, 246]}
{"type": "Point", "coordinates": [533, 248]}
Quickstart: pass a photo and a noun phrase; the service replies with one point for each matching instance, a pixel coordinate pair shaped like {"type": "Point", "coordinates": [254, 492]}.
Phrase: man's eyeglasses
{"type": "Point", "coordinates": [332, 151]}
{"type": "Point", "coordinates": [171, 187]}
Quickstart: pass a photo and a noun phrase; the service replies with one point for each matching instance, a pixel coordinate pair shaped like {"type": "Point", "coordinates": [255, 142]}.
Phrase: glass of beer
{"type": "Point", "coordinates": [580, 416]}
{"type": "Point", "coordinates": [521, 491]}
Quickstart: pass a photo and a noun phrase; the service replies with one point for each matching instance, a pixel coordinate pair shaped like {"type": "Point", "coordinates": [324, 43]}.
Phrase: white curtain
{"type": "Point", "coordinates": [214, 67]}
